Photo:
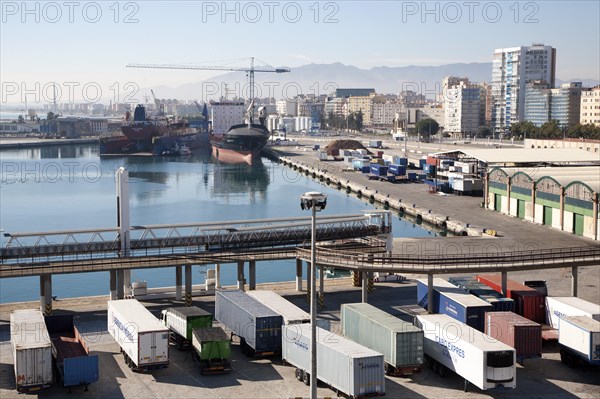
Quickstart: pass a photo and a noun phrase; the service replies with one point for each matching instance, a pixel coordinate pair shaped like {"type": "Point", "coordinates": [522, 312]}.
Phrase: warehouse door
{"type": "Point", "coordinates": [578, 224]}
{"type": "Point", "coordinates": [547, 215]}
{"type": "Point", "coordinates": [497, 202]}
{"type": "Point", "coordinates": [521, 209]}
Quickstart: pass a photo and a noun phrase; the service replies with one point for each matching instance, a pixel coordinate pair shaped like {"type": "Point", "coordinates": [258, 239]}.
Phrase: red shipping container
{"type": "Point", "coordinates": [522, 334]}
{"type": "Point", "coordinates": [379, 154]}
{"type": "Point", "coordinates": [431, 161]}
{"type": "Point", "coordinates": [529, 302]}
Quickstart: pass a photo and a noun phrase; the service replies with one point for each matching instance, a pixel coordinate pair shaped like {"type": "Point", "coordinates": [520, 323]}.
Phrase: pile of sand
{"type": "Point", "coordinates": [335, 146]}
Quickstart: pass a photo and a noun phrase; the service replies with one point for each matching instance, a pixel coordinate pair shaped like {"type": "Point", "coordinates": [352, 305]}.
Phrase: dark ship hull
{"type": "Point", "coordinates": [242, 143]}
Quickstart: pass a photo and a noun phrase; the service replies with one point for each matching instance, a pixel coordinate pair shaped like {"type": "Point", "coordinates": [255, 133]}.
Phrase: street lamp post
{"type": "Point", "coordinates": [314, 201]}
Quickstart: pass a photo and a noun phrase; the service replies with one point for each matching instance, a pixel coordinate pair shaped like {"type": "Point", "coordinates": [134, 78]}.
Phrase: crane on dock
{"type": "Point", "coordinates": [249, 70]}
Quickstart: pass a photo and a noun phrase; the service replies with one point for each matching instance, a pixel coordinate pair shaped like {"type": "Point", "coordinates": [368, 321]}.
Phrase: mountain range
{"type": "Point", "coordinates": [325, 78]}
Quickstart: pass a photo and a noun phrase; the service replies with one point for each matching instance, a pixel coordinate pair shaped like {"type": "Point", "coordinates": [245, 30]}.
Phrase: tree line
{"type": "Point", "coordinates": [354, 121]}
{"type": "Point", "coordinates": [553, 130]}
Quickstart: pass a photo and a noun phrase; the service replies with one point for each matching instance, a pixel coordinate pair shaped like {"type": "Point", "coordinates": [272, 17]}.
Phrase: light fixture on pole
{"type": "Point", "coordinates": [313, 201]}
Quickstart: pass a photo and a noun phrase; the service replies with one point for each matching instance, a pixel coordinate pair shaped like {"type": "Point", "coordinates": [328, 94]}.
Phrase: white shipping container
{"type": "Point", "coordinates": [342, 364]}
{"type": "Point", "coordinates": [558, 307]}
{"type": "Point", "coordinates": [478, 358]}
{"type": "Point", "coordinates": [141, 335]}
{"type": "Point", "coordinates": [32, 350]}
{"type": "Point", "coordinates": [582, 335]}
{"type": "Point", "coordinates": [290, 313]}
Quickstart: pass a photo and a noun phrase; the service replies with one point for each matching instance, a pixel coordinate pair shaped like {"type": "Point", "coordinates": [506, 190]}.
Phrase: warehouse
{"type": "Point", "coordinates": [565, 198]}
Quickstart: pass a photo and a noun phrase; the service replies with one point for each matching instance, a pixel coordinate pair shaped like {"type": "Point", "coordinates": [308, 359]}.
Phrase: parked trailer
{"type": "Point", "coordinates": [213, 349]}
{"type": "Point", "coordinates": [529, 302]}
{"type": "Point", "coordinates": [258, 327]}
{"type": "Point", "coordinates": [450, 300]}
{"type": "Point", "coordinates": [181, 320]}
{"type": "Point", "coordinates": [400, 342]}
{"type": "Point", "coordinates": [579, 340]}
{"type": "Point", "coordinates": [143, 339]}
{"type": "Point", "coordinates": [515, 331]}
{"type": "Point", "coordinates": [72, 357]}
{"type": "Point", "coordinates": [481, 361]}
{"type": "Point", "coordinates": [32, 350]}
{"type": "Point", "coordinates": [290, 313]}
{"type": "Point", "coordinates": [344, 365]}
{"type": "Point", "coordinates": [558, 307]}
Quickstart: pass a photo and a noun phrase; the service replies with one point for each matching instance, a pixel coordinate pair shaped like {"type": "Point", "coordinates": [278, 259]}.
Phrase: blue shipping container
{"type": "Point", "coordinates": [412, 176]}
{"type": "Point", "coordinates": [379, 170]}
{"type": "Point", "coordinates": [454, 302]}
{"type": "Point", "coordinates": [365, 169]}
{"type": "Point", "coordinates": [397, 170]}
{"type": "Point", "coordinates": [403, 161]}
{"type": "Point", "coordinates": [422, 163]}
{"type": "Point", "coordinates": [482, 291]}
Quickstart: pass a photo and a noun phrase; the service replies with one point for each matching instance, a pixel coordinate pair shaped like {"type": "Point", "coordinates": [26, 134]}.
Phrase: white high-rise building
{"type": "Point", "coordinates": [225, 114]}
{"type": "Point", "coordinates": [462, 102]}
{"type": "Point", "coordinates": [512, 69]}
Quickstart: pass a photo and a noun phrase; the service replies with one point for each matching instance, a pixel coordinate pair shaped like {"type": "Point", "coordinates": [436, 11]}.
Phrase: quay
{"type": "Point", "coordinates": [19, 143]}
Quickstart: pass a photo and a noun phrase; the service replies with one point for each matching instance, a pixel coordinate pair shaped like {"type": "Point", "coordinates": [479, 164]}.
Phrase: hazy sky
{"type": "Point", "coordinates": [89, 43]}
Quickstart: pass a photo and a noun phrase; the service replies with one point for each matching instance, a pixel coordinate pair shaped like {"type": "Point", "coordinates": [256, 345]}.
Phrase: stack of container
{"type": "Point", "coordinates": [400, 342]}
{"type": "Point", "coordinates": [516, 331]}
{"type": "Point", "coordinates": [450, 300]}
{"type": "Point", "coordinates": [482, 291]}
{"type": "Point", "coordinates": [559, 307]}
{"type": "Point", "coordinates": [528, 301]}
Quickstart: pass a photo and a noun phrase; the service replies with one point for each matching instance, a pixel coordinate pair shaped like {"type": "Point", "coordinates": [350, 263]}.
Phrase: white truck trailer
{"type": "Point", "coordinates": [478, 358]}
{"type": "Point", "coordinates": [344, 365]}
{"type": "Point", "coordinates": [143, 339]}
{"type": "Point", "coordinates": [32, 350]}
{"type": "Point", "coordinates": [579, 339]}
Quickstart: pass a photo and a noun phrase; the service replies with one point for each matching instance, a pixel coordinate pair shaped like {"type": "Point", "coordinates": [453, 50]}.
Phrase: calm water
{"type": "Point", "coordinates": [70, 187]}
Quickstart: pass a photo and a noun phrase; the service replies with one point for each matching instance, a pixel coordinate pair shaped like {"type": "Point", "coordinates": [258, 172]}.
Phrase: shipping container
{"type": "Point", "coordinates": [213, 349]}
{"type": "Point", "coordinates": [397, 170]}
{"type": "Point", "coordinates": [379, 170]}
{"type": "Point", "coordinates": [482, 291]}
{"type": "Point", "coordinates": [412, 176]}
{"type": "Point", "coordinates": [402, 161]}
{"type": "Point", "coordinates": [342, 364]}
{"type": "Point", "coordinates": [515, 331]}
{"type": "Point", "coordinates": [143, 338]}
{"type": "Point", "coordinates": [181, 320]}
{"type": "Point", "coordinates": [579, 340]}
{"type": "Point", "coordinates": [290, 313]}
{"type": "Point", "coordinates": [72, 357]}
{"type": "Point", "coordinates": [529, 302]}
{"type": "Point", "coordinates": [450, 300]}
{"type": "Point", "coordinates": [431, 161]}
{"type": "Point", "coordinates": [32, 350]}
{"type": "Point", "coordinates": [400, 342]}
{"type": "Point", "coordinates": [422, 163]}
{"type": "Point", "coordinates": [557, 307]}
{"type": "Point", "coordinates": [366, 169]}
{"type": "Point", "coordinates": [258, 327]}
{"type": "Point", "coordinates": [481, 361]}
{"type": "Point", "coordinates": [375, 143]}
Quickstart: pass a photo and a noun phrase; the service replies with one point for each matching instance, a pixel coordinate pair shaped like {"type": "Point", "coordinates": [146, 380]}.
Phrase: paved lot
{"type": "Point", "coordinates": [270, 378]}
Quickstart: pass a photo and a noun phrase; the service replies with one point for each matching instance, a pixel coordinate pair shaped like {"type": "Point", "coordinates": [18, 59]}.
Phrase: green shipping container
{"type": "Point", "coordinates": [400, 342]}
{"type": "Point", "coordinates": [213, 347]}
{"type": "Point", "coordinates": [185, 318]}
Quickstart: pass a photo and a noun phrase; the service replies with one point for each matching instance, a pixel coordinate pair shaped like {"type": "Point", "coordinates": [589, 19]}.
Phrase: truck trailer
{"type": "Point", "coordinates": [213, 349]}
{"type": "Point", "coordinates": [400, 342]}
{"type": "Point", "coordinates": [258, 327]}
{"type": "Point", "coordinates": [579, 340]}
{"type": "Point", "coordinates": [290, 313]}
{"type": "Point", "coordinates": [344, 365]}
{"type": "Point", "coordinates": [74, 364]}
{"type": "Point", "coordinates": [182, 320]}
{"type": "Point", "coordinates": [32, 350]}
{"type": "Point", "coordinates": [558, 307]}
{"type": "Point", "coordinates": [143, 339]}
{"type": "Point", "coordinates": [479, 359]}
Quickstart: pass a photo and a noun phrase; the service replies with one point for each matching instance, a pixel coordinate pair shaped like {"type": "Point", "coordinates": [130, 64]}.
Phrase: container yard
{"type": "Point", "coordinates": [450, 300]}
{"type": "Point", "coordinates": [72, 357]}
{"type": "Point", "coordinates": [143, 339]}
{"type": "Point", "coordinates": [400, 342]}
{"type": "Point", "coordinates": [345, 366]}
{"type": "Point", "coordinates": [257, 326]}
{"type": "Point", "coordinates": [452, 345]}
{"type": "Point", "coordinates": [31, 350]}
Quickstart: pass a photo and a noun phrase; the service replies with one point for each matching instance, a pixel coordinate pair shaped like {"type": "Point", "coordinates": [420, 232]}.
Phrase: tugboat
{"type": "Point", "coordinates": [243, 142]}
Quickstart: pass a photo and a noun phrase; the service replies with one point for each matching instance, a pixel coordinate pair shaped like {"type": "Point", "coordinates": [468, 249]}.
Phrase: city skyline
{"type": "Point", "coordinates": [91, 43]}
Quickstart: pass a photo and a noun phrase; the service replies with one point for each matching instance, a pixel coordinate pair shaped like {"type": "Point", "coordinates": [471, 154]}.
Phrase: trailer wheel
{"type": "Point", "coordinates": [442, 371]}
{"type": "Point", "coordinates": [563, 357]}
{"type": "Point", "coordinates": [178, 342]}
{"type": "Point", "coordinates": [298, 374]}
{"type": "Point", "coordinates": [305, 378]}
{"type": "Point", "coordinates": [389, 369]}
{"type": "Point", "coordinates": [429, 361]}
{"type": "Point", "coordinates": [243, 346]}
{"type": "Point", "coordinates": [436, 366]}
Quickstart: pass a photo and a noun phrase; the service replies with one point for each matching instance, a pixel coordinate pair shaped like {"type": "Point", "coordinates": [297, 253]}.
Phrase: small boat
{"type": "Point", "coordinates": [185, 150]}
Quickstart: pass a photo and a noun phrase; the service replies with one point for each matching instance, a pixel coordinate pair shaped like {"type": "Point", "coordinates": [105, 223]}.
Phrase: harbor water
{"type": "Point", "coordinates": [70, 187]}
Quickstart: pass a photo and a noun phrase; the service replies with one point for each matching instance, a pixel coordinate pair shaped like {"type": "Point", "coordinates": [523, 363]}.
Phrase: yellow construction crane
{"type": "Point", "coordinates": [250, 71]}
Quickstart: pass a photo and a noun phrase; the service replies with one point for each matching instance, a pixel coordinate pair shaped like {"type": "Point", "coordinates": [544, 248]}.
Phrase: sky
{"type": "Point", "coordinates": [84, 46]}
